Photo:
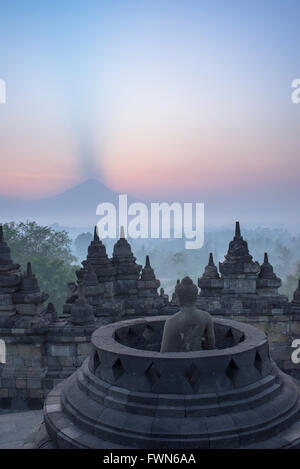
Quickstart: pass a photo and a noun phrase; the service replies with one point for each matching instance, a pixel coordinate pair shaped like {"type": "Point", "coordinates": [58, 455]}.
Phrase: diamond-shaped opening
{"type": "Point", "coordinates": [152, 374]}
{"type": "Point", "coordinates": [258, 362]}
{"type": "Point", "coordinates": [232, 371]}
{"type": "Point", "coordinates": [97, 361]}
{"type": "Point", "coordinates": [117, 369]}
{"type": "Point", "coordinates": [131, 333]}
{"type": "Point", "coordinates": [192, 374]}
{"type": "Point", "coordinates": [133, 337]}
{"type": "Point", "coordinates": [242, 338]}
{"type": "Point", "coordinates": [94, 362]}
{"type": "Point", "coordinates": [229, 338]}
{"type": "Point", "coordinates": [148, 333]}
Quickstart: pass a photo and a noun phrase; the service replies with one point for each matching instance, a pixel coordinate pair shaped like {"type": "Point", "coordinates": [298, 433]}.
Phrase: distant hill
{"type": "Point", "coordinates": [76, 206]}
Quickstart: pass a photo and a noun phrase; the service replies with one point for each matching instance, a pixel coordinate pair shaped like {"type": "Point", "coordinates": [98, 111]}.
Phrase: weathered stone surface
{"type": "Point", "coordinates": [81, 311]}
{"type": "Point", "coordinates": [244, 287]}
{"type": "Point", "coordinates": [21, 301]}
{"type": "Point", "coordinates": [21, 383]}
{"type": "Point", "coordinates": [267, 282]}
{"type": "Point", "coordinates": [116, 287]}
{"type": "Point", "coordinates": [84, 349]}
{"type": "Point", "coordinates": [210, 283]}
{"type": "Point", "coordinates": [295, 304]}
{"type": "Point", "coordinates": [58, 350]}
{"type": "Point", "coordinates": [190, 328]}
{"type": "Point", "coordinates": [29, 337]}
{"type": "Point", "coordinates": [238, 270]}
{"type": "Point", "coordinates": [127, 397]}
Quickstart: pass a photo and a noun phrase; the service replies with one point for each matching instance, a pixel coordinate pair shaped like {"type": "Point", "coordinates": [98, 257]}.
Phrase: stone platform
{"type": "Point", "coordinates": [45, 347]}
{"type": "Point", "coordinates": [16, 427]}
{"type": "Point", "coordinates": [128, 395]}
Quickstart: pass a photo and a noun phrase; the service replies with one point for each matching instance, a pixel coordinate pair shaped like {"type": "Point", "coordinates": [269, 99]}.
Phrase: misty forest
{"type": "Point", "coordinates": [56, 253]}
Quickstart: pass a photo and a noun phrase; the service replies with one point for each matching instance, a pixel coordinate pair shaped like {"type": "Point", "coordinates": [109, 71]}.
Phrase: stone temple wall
{"type": "Point", "coordinates": [36, 362]}
{"type": "Point", "coordinates": [246, 291]}
{"type": "Point", "coordinates": [233, 396]}
{"type": "Point", "coordinates": [43, 348]}
{"type": "Point", "coordinates": [21, 375]}
{"type": "Point", "coordinates": [281, 330]}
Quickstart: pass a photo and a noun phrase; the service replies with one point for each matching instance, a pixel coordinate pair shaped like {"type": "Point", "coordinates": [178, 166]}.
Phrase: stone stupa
{"type": "Point", "coordinates": [128, 395]}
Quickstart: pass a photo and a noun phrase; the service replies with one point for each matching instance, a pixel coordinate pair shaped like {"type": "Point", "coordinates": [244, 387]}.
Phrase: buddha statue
{"type": "Point", "coordinates": [191, 328]}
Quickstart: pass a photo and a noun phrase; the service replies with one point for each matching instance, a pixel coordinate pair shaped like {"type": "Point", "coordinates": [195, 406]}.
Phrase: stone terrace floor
{"type": "Point", "coordinates": [15, 427]}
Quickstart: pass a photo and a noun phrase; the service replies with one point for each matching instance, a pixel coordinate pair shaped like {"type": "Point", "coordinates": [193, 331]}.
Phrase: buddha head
{"type": "Point", "coordinates": [186, 292]}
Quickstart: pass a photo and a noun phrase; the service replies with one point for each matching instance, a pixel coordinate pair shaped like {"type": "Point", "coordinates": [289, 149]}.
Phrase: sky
{"type": "Point", "coordinates": [155, 98]}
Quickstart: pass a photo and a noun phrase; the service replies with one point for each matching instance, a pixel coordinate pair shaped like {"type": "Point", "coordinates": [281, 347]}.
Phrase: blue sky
{"type": "Point", "coordinates": [194, 95]}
